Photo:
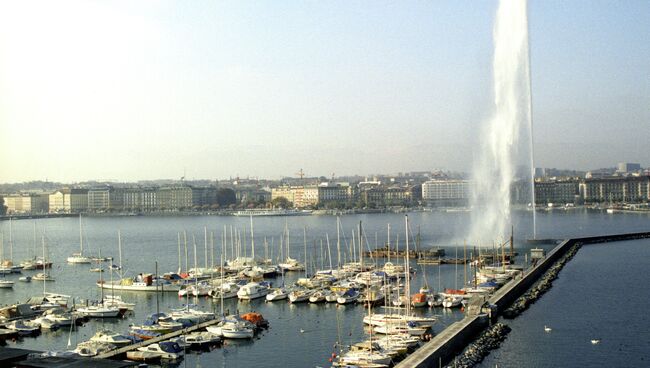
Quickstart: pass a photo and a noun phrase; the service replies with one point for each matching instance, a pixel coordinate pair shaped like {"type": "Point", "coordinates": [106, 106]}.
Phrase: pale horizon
{"type": "Point", "coordinates": [133, 91]}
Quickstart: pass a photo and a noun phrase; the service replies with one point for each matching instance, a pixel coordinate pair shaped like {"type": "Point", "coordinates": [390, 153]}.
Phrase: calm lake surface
{"type": "Point", "coordinates": [146, 240]}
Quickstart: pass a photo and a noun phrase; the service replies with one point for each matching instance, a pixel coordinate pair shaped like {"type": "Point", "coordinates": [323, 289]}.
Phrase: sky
{"type": "Point", "coordinates": [136, 90]}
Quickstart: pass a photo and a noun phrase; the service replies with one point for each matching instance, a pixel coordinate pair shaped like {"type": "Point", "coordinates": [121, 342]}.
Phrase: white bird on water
{"type": "Point", "coordinates": [547, 329]}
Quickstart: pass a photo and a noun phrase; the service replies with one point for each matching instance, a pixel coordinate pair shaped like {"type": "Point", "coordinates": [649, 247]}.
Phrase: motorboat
{"type": "Point", "coordinates": [78, 258]}
{"type": "Point", "coordinates": [233, 329]}
{"type": "Point", "coordinates": [199, 339]}
{"type": "Point", "coordinates": [452, 301]}
{"type": "Point", "coordinates": [165, 350]}
{"type": "Point", "coordinates": [409, 328]}
{"type": "Point", "coordinates": [318, 297]}
{"type": "Point", "coordinates": [226, 290]}
{"type": "Point", "coordinates": [46, 323]}
{"type": "Point", "coordinates": [291, 264]}
{"type": "Point", "coordinates": [394, 319]}
{"type": "Point", "coordinates": [435, 300]}
{"type": "Point", "coordinates": [6, 284]}
{"type": "Point", "coordinates": [252, 290]}
{"type": "Point", "coordinates": [93, 348]}
{"type": "Point", "coordinates": [363, 358]}
{"type": "Point", "coordinates": [61, 317]}
{"type": "Point", "coordinates": [99, 311]}
{"type": "Point", "coordinates": [332, 297]}
{"type": "Point", "coordinates": [300, 296]}
{"type": "Point", "coordinates": [23, 327]}
{"type": "Point", "coordinates": [419, 300]}
{"type": "Point", "coordinates": [141, 282]}
{"type": "Point", "coordinates": [25, 278]}
{"type": "Point", "coordinates": [110, 337]}
{"type": "Point", "coordinates": [190, 314]}
{"type": "Point", "coordinates": [116, 301]}
{"type": "Point", "coordinates": [348, 297]}
{"type": "Point", "coordinates": [42, 277]}
{"type": "Point", "coordinates": [277, 294]}
{"type": "Point", "coordinates": [372, 296]}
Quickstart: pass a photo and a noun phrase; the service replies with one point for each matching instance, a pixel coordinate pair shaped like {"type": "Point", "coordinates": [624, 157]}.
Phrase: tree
{"type": "Point", "coordinates": [3, 208]}
{"type": "Point", "coordinates": [281, 202]}
{"type": "Point", "coordinates": [226, 197]}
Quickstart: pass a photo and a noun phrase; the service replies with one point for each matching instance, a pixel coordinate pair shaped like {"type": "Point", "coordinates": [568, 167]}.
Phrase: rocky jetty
{"type": "Point", "coordinates": [490, 339]}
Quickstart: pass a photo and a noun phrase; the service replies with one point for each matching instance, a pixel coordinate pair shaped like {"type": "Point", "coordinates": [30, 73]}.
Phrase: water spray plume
{"type": "Point", "coordinates": [503, 142]}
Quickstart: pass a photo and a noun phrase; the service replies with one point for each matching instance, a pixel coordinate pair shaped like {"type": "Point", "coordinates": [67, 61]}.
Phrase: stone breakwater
{"type": "Point", "coordinates": [542, 286]}
{"type": "Point", "coordinates": [490, 339]}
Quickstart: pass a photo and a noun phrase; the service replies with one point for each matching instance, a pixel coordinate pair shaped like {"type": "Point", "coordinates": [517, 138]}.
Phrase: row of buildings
{"type": "Point", "coordinates": [436, 193]}
{"type": "Point", "coordinates": [108, 198]}
{"type": "Point", "coordinates": [365, 193]}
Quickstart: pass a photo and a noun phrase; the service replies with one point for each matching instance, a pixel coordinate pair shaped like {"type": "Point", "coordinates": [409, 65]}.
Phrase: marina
{"type": "Point", "coordinates": [291, 320]}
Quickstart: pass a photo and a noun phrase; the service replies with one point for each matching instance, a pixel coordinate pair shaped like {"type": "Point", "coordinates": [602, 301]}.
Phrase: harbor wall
{"type": "Point", "coordinates": [453, 339]}
{"type": "Point", "coordinates": [446, 344]}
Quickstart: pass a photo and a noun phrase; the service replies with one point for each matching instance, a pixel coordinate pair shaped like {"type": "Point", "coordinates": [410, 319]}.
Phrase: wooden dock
{"type": "Point", "coordinates": [123, 350]}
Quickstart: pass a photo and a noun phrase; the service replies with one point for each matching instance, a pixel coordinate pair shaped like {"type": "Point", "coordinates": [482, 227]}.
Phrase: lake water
{"type": "Point", "coordinates": [601, 293]}
{"type": "Point", "coordinates": [149, 239]}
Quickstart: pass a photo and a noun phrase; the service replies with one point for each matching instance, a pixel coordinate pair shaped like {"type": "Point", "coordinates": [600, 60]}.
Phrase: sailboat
{"type": "Point", "coordinates": [79, 258]}
{"type": "Point", "coordinates": [45, 275]}
{"type": "Point", "coordinates": [7, 264]}
{"type": "Point", "coordinates": [100, 310]}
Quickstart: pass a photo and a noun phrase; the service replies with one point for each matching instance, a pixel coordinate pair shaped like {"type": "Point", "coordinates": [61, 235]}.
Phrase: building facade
{"type": "Point", "coordinates": [68, 200]}
{"type": "Point", "coordinates": [27, 203]}
{"type": "Point", "coordinates": [446, 192]}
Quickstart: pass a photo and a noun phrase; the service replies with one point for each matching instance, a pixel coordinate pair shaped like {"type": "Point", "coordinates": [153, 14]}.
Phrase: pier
{"type": "Point", "coordinates": [453, 339]}
{"type": "Point", "coordinates": [117, 353]}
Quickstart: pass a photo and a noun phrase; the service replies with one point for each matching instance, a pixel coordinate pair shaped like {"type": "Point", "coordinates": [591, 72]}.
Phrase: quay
{"type": "Point", "coordinates": [453, 339]}
{"type": "Point", "coordinates": [121, 352]}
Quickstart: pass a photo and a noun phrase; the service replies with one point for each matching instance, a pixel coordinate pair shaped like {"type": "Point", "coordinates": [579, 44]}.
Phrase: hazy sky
{"type": "Point", "coordinates": [132, 90]}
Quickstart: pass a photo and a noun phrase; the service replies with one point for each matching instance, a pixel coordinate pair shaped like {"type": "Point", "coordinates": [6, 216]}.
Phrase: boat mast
{"type": "Point", "coordinates": [223, 249]}
{"type": "Point", "coordinates": [338, 243]}
{"type": "Point", "coordinates": [186, 255]}
{"type": "Point", "coordinates": [408, 269]}
{"type": "Point", "coordinates": [360, 247]}
{"type": "Point", "coordinates": [304, 236]}
{"type": "Point", "coordinates": [45, 274]}
{"type": "Point", "coordinates": [195, 259]}
{"type": "Point", "coordinates": [388, 245]}
{"type": "Point", "coordinates": [252, 240]}
{"type": "Point", "coordinates": [81, 239]}
{"type": "Point", "coordinates": [205, 245]}
{"type": "Point", "coordinates": [119, 250]}
{"type": "Point", "coordinates": [212, 250]}
{"type": "Point", "coordinates": [11, 243]}
{"type": "Point", "coordinates": [329, 252]}
{"type": "Point", "coordinates": [179, 253]}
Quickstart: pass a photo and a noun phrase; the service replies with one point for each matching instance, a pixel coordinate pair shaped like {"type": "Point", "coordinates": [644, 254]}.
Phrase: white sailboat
{"type": "Point", "coordinates": [79, 258]}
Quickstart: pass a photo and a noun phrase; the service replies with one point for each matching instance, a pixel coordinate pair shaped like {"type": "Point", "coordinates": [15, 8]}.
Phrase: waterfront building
{"type": "Point", "coordinates": [557, 191]}
{"type": "Point", "coordinates": [174, 197]}
{"type": "Point", "coordinates": [31, 203]}
{"type": "Point", "coordinates": [446, 192]}
{"type": "Point", "coordinates": [140, 199]}
{"type": "Point", "coordinates": [628, 189]}
{"type": "Point", "coordinates": [301, 196]}
{"type": "Point", "coordinates": [68, 200]}
{"type": "Point", "coordinates": [334, 192]}
{"type": "Point", "coordinates": [105, 199]}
